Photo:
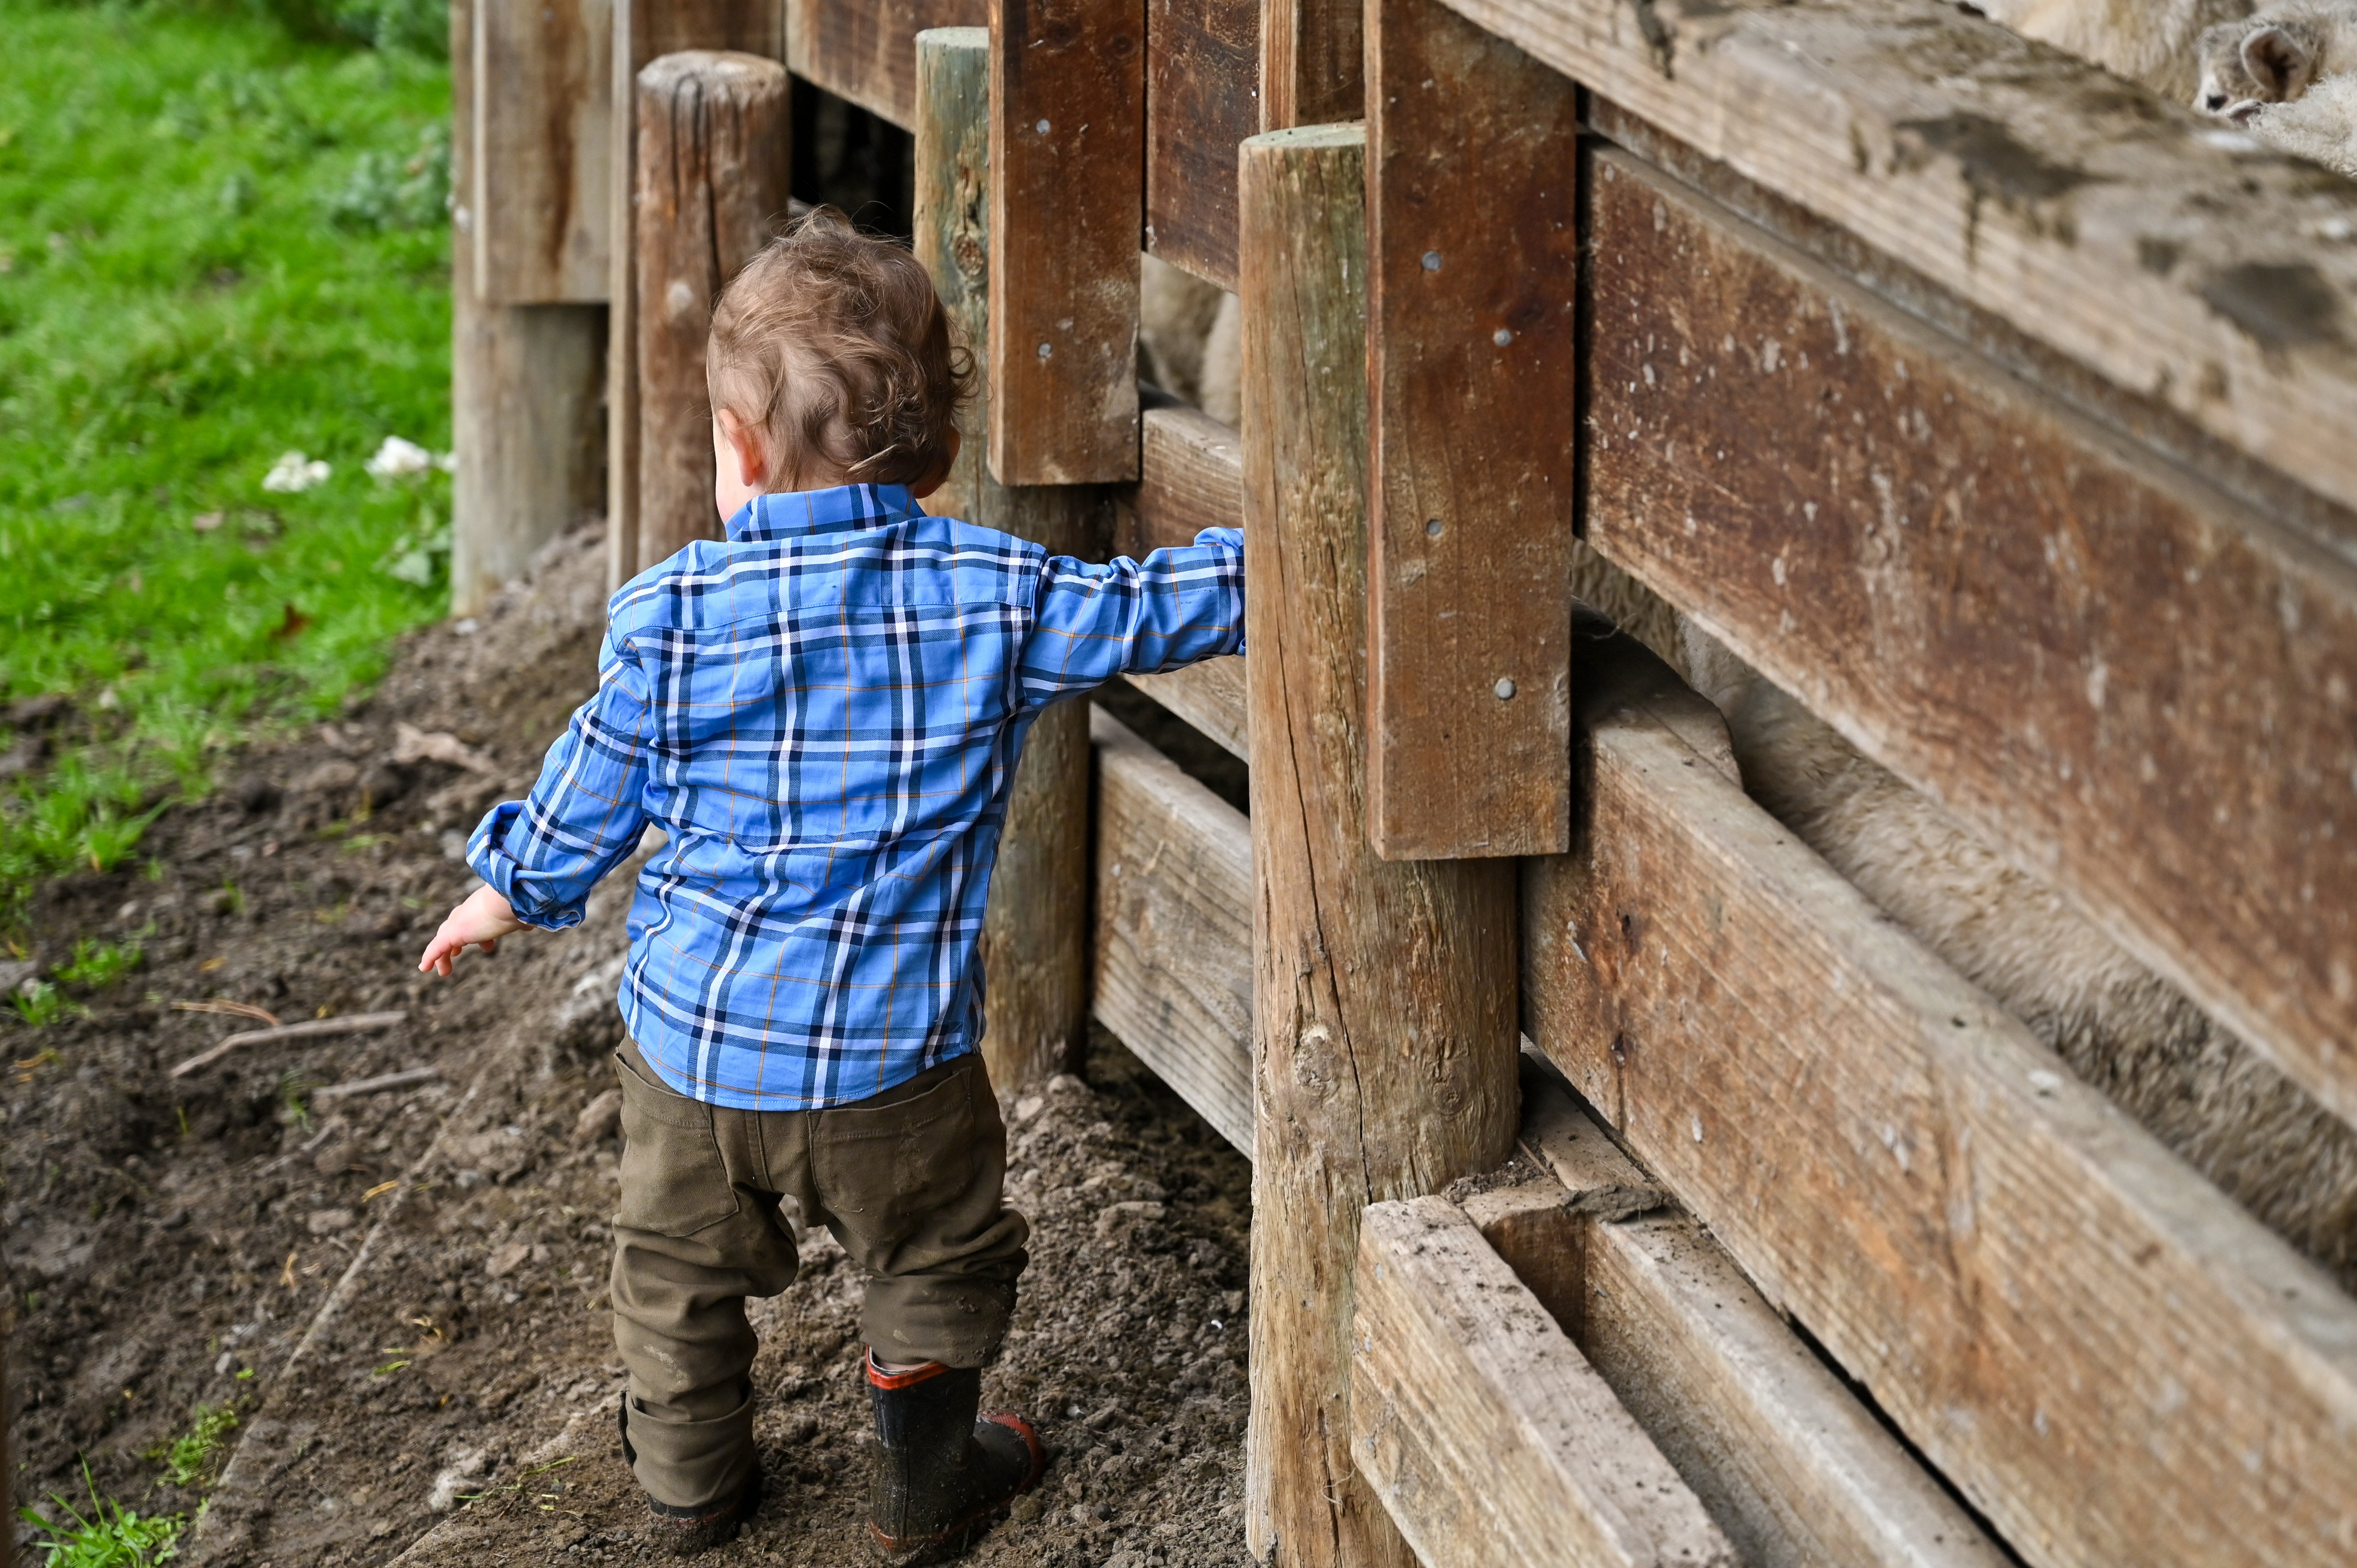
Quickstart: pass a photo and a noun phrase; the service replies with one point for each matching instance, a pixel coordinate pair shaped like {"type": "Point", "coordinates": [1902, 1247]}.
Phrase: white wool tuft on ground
{"type": "Point", "coordinates": [397, 459]}
{"type": "Point", "coordinates": [293, 471]}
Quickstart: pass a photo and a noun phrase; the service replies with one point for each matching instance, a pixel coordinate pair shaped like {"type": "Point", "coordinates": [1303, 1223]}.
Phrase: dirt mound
{"type": "Point", "coordinates": [402, 1290]}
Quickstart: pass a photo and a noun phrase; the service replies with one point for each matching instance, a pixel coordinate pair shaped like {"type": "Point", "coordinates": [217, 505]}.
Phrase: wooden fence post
{"type": "Point", "coordinates": [1035, 934]}
{"type": "Point", "coordinates": [1472, 245]}
{"type": "Point", "coordinates": [1067, 216]}
{"type": "Point", "coordinates": [1312, 62]}
{"type": "Point", "coordinates": [711, 176]}
{"type": "Point", "coordinates": [524, 372]}
{"type": "Point", "coordinates": [645, 30]}
{"type": "Point", "coordinates": [1383, 1001]}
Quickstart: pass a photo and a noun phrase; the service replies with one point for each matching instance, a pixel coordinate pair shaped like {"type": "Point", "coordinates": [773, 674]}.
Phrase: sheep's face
{"type": "Point", "coordinates": [2224, 82]}
{"type": "Point", "coordinates": [2253, 61]}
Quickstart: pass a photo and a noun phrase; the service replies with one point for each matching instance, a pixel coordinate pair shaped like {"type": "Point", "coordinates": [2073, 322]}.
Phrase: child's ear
{"type": "Point", "coordinates": [940, 475]}
{"type": "Point", "coordinates": [745, 442]}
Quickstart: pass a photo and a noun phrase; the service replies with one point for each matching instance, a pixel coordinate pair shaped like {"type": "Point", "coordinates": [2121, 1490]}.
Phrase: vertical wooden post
{"type": "Point", "coordinates": [1067, 216]}
{"type": "Point", "coordinates": [1312, 64]}
{"type": "Point", "coordinates": [644, 30]}
{"type": "Point", "coordinates": [1035, 933]}
{"type": "Point", "coordinates": [713, 161]}
{"type": "Point", "coordinates": [525, 376]}
{"type": "Point", "coordinates": [1383, 994]}
{"type": "Point", "coordinates": [542, 138]}
{"type": "Point", "coordinates": [1472, 256]}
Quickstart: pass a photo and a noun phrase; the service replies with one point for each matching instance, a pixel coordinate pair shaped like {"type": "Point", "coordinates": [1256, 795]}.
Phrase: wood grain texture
{"type": "Point", "coordinates": [2132, 236]}
{"type": "Point", "coordinates": [1786, 1459]}
{"type": "Point", "coordinates": [1312, 62]}
{"type": "Point", "coordinates": [1034, 945]}
{"type": "Point", "coordinates": [1173, 950]}
{"type": "Point", "coordinates": [2143, 689]}
{"type": "Point", "coordinates": [1203, 98]}
{"type": "Point", "coordinates": [1489, 1437]}
{"type": "Point", "coordinates": [642, 31]}
{"type": "Point", "coordinates": [1210, 696]}
{"type": "Point", "coordinates": [2109, 1360]}
{"type": "Point", "coordinates": [541, 162]}
{"type": "Point", "coordinates": [525, 384]}
{"type": "Point", "coordinates": [713, 157]}
{"type": "Point", "coordinates": [865, 50]}
{"type": "Point", "coordinates": [1384, 1018]}
{"type": "Point", "coordinates": [1472, 352]}
{"type": "Point", "coordinates": [1067, 201]}
{"type": "Point", "coordinates": [1190, 476]}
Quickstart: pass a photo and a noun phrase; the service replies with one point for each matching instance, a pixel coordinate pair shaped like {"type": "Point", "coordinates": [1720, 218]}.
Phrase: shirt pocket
{"type": "Point", "coordinates": [674, 1182]}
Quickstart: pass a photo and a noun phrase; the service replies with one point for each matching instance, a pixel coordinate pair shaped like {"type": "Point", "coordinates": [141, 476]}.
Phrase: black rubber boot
{"type": "Point", "coordinates": [943, 1474]}
{"type": "Point", "coordinates": [684, 1532]}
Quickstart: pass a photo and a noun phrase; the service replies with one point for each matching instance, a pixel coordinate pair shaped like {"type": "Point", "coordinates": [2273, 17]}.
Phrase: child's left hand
{"type": "Point", "coordinates": [481, 921]}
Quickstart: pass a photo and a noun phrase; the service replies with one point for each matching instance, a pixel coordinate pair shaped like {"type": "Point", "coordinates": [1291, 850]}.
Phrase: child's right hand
{"type": "Point", "coordinates": [481, 921]}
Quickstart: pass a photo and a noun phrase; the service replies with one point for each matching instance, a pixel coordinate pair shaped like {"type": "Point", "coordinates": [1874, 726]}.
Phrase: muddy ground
{"type": "Point", "coordinates": [400, 1292]}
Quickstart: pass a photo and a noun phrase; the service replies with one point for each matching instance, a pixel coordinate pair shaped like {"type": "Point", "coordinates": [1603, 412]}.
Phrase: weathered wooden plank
{"type": "Point", "coordinates": [524, 383]}
{"type": "Point", "coordinates": [712, 159]}
{"type": "Point", "coordinates": [1202, 98]}
{"type": "Point", "coordinates": [1173, 973]}
{"type": "Point", "coordinates": [1312, 62]}
{"type": "Point", "coordinates": [1210, 696]}
{"type": "Point", "coordinates": [2109, 1360]}
{"type": "Point", "coordinates": [1383, 1024]}
{"type": "Point", "coordinates": [865, 50]}
{"type": "Point", "coordinates": [2173, 257]}
{"type": "Point", "coordinates": [2142, 689]}
{"type": "Point", "coordinates": [1472, 250]}
{"type": "Point", "coordinates": [1066, 202]}
{"type": "Point", "coordinates": [1190, 478]}
{"type": "Point", "coordinates": [643, 31]}
{"type": "Point", "coordinates": [1034, 945]}
{"type": "Point", "coordinates": [542, 158]}
{"type": "Point", "coordinates": [1490, 1440]}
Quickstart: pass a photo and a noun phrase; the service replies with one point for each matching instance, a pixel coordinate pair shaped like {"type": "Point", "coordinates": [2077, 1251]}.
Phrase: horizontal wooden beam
{"type": "Point", "coordinates": [865, 50]}
{"type": "Point", "coordinates": [2109, 1360]}
{"type": "Point", "coordinates": [2168, 255]}
{"type": "Point", "coordinates": [2136, 686]}
{"type": "Point", "coordinates": [1173, 945]}
{"type": "Point", "coordinates": [1209, 695]}
{"type": "Point", "coordinates": [1790, 1463]}
{"type": "Point", "coordinates": [1487, 1436]}
{"type": "Point", "coordinates": [1190, 476]}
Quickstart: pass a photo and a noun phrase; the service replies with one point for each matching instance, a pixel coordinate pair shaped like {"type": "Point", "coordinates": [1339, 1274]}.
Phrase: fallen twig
{"type": "Point", "coordinates": [310, 1028]}
{"type": "Point", "coordinates": [407, 1075]}
{"type": "Point", "coordinates": [232, 1009]}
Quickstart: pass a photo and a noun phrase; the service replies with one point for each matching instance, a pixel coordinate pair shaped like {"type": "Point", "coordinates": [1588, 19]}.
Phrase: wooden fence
{"type": "Point", "coordinates": [1996, 411]}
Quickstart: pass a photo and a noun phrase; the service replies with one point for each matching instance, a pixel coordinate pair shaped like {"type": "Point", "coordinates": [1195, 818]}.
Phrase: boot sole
{"type": "Point", "coordinates": [959, 1538]}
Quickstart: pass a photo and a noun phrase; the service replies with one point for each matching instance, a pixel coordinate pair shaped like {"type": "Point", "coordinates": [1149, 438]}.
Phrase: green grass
{"type": "Point", "coordinates": [190, 1458]}
{"type": "Point", "coordinates": [112, 1537]}
{"type": "Point", "coordinates": [218, 242]}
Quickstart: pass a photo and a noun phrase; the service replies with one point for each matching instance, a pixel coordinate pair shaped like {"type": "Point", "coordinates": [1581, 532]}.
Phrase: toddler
{"type": "Point", "coordinates": [823, 712]}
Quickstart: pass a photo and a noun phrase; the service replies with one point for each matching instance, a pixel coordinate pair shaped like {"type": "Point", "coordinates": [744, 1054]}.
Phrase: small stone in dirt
{"type": "Point", "coordinates": [29, 752]}
{"type": "Point", "coordinates": [1105, 1417]}
{"type": "Point", "coordinates": [507, 1260]}
{"type": "Point", "coordinates": [1027, 1107]}
{"type": "Point", "coordinates": [600, 1119]}
{"type": "Point", "coordinates": [323, 1220]}
{"type": "Point", "coordinates": [332, 776]}
{"type": "Point", "coordinates": [15, 973]}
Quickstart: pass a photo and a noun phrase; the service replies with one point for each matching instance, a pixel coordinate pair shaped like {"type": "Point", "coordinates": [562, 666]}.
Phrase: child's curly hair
{"type": "Point", "coordinates": [835, 347]}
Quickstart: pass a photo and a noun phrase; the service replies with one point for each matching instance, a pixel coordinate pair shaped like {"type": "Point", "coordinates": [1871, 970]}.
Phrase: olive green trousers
{"type": "Point", "coordinates": [911, 1182]}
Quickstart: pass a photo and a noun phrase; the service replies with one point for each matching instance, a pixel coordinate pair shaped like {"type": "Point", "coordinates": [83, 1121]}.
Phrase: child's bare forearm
{"type": "Point", "coordinates": [481, 921]}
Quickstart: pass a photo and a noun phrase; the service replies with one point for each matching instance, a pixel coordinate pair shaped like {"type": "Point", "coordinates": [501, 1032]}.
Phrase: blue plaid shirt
{"type": "Point", "coordinates": [822, 713]}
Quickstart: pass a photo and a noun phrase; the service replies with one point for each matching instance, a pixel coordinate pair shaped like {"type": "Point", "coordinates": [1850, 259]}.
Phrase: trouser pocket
{"type": "Point", "coordinates": [674, 1182]}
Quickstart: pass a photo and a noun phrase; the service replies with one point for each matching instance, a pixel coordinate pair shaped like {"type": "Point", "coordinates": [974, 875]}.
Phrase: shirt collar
{"type": "Point", "coordinates": [843, 507]}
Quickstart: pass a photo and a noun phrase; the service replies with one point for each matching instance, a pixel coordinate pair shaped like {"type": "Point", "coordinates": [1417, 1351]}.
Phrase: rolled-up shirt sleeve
{"type": "Point", "coordinates": [585, 815]}
{"type": "Point", "coordinates": [1175, 608]}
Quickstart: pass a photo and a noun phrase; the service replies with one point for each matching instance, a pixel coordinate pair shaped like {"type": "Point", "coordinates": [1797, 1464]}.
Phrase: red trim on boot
{"type": "Point", "coordinates": [884, 1379]}
{"type": "Point", "coordinates": [1022, 1428]}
